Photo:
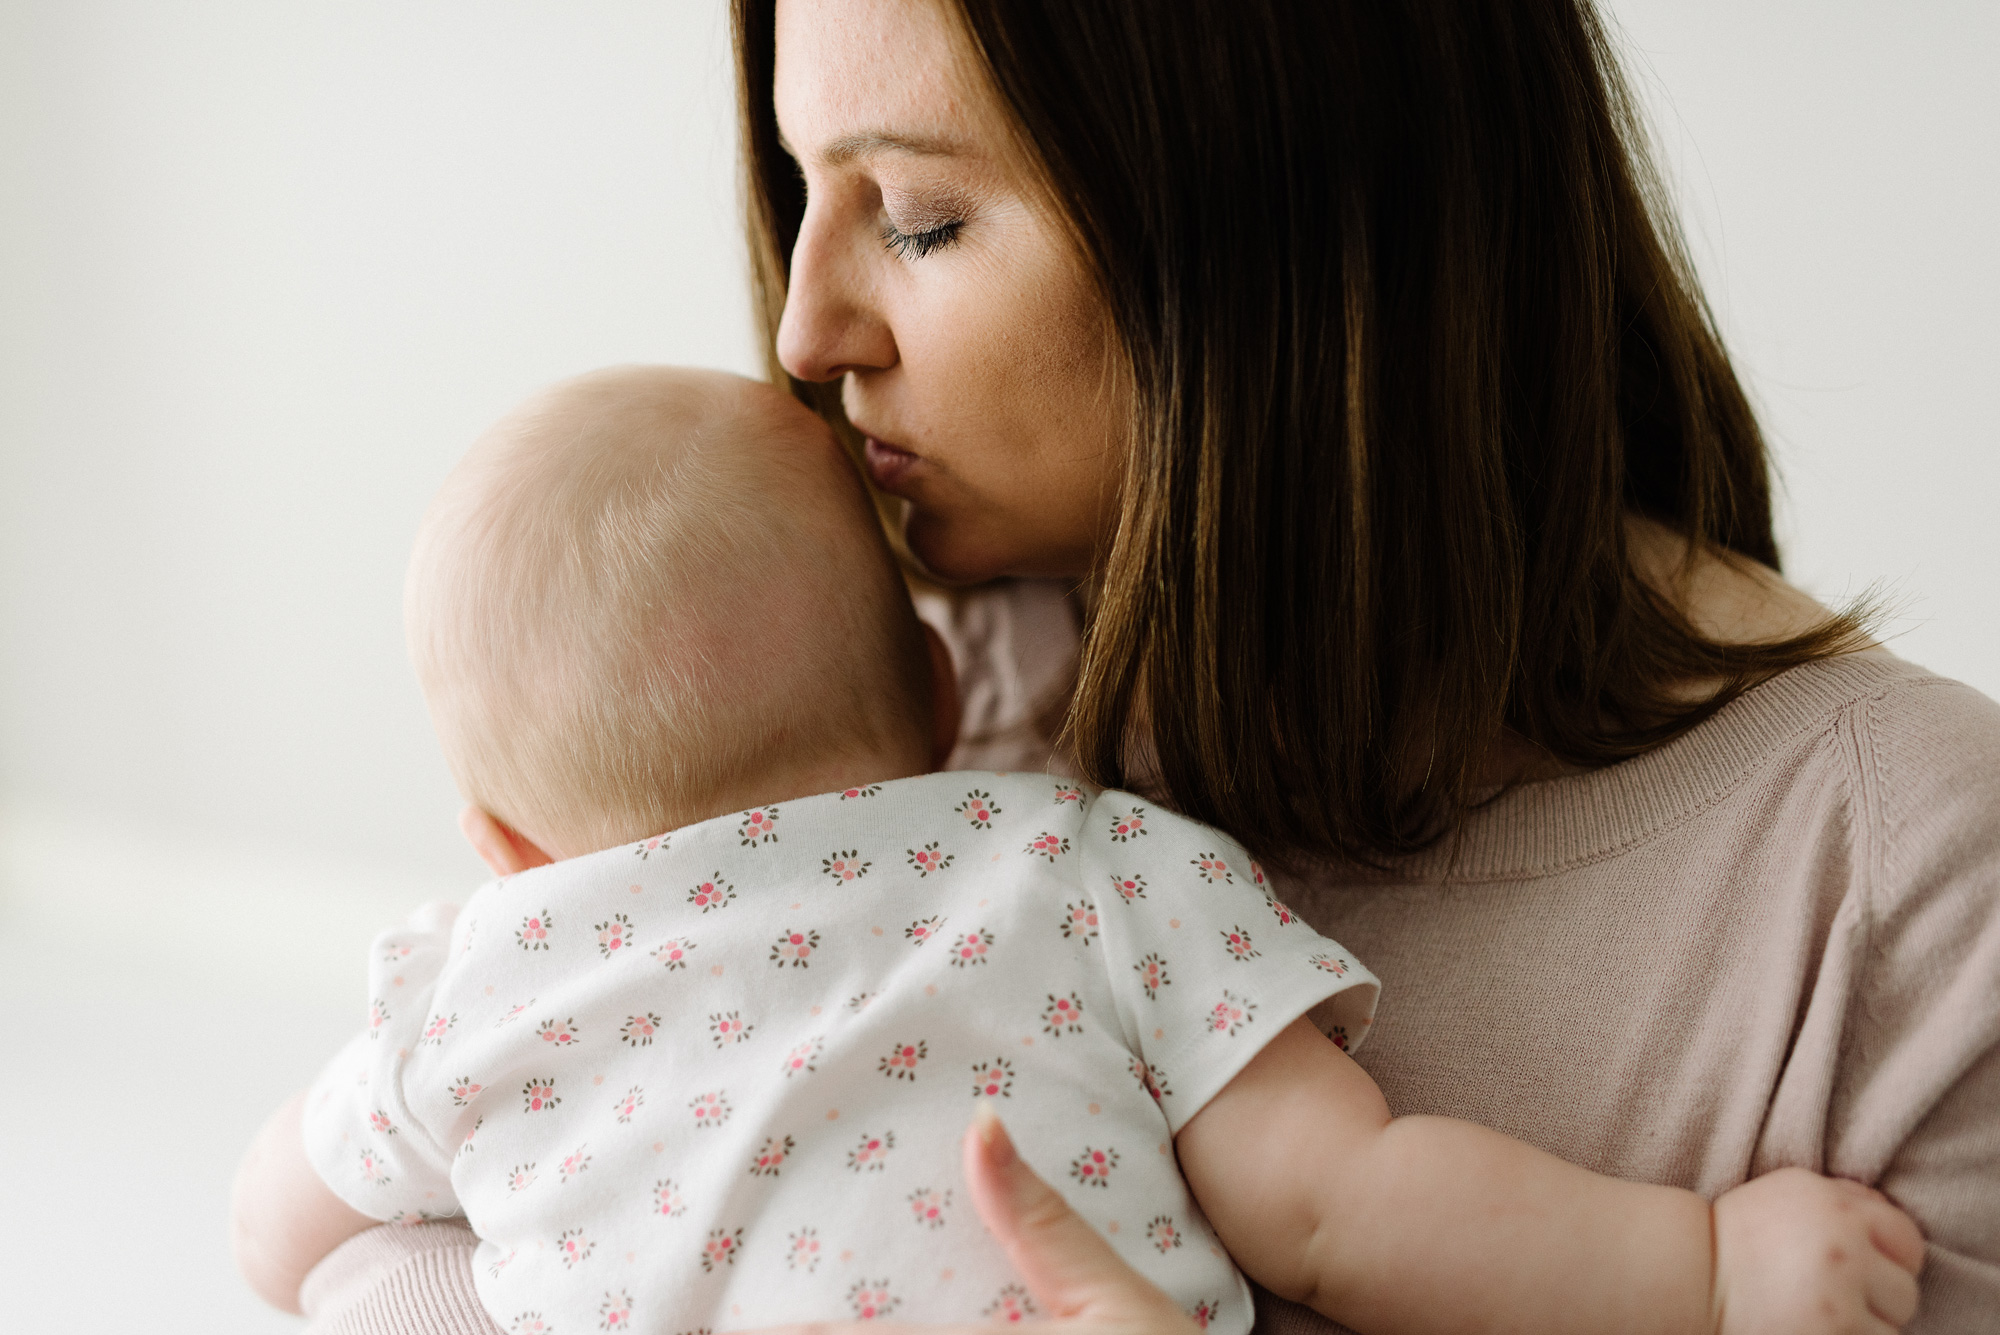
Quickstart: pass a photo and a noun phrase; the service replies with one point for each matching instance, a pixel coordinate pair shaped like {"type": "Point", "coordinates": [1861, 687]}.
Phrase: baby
{"type": "Point", "coordinates": [716, 1078]}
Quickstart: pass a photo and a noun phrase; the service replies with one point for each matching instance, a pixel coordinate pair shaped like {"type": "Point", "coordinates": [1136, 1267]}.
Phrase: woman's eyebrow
{"type": "Point", "coordinates": [866, 143]}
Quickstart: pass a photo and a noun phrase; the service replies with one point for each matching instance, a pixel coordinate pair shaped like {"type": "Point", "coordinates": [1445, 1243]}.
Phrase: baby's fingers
{"type": "Point", "coordinates": [1894, 1233]}
{"type": "Point", "coordinates": [1891, 1291]}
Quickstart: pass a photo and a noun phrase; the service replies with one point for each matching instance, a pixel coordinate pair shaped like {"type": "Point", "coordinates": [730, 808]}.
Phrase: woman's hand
{"type": "Point", "coordinates": [1079, 1284]}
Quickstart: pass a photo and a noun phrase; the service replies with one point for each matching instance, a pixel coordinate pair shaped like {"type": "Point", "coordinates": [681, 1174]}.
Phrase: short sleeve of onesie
{"type": "Point", "coordinates": [1206, 965]}
{"type": "Point", "coordinates": [360, 1133]}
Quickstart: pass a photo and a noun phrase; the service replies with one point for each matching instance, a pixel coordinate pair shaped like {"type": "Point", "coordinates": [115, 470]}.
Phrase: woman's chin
{"type": "Point", "coordinates": [951, 553]}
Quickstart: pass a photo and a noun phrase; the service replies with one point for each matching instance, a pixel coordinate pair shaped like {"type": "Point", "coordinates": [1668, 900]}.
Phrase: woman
{"type": "Point", "coordinates": [1339, 356]}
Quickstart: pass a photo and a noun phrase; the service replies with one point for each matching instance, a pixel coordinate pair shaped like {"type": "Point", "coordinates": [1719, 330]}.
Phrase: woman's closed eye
{"type": "Point", "coordinates": [916, 245]}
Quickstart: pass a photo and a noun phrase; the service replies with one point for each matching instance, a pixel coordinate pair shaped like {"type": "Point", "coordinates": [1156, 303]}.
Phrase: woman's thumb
{"type": "Point", "coordinates": [1070, 1270]}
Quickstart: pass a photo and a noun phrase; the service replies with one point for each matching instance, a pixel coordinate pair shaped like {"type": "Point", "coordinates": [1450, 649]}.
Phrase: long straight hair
{"type": "Point", "coordinates": [1411, 333]}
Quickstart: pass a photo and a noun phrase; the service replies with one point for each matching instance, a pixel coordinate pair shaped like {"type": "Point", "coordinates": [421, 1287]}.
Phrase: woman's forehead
{"type": "Point", "coordinates": [861, 79]}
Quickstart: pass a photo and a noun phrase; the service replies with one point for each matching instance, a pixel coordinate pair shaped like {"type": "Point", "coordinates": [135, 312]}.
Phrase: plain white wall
{"type": "Point", "coordinates": [267, 268]}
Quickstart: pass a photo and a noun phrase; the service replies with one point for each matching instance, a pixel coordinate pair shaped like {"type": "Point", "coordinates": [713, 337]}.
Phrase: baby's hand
{"type": "Point", "coordinates": [1801, 1254]}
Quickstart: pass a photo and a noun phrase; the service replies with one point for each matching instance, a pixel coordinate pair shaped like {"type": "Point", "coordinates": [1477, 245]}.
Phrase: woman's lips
{"type": "Point", "coordinates": [888, 465]}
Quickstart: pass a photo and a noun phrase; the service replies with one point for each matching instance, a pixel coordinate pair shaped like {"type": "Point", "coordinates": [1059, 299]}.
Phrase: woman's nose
{"type": "Point", "coordinates": [830, 325]}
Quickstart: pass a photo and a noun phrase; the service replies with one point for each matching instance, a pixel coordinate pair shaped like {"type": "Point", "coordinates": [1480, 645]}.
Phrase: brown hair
{"type": "Point", "coordinates": [1411, 332]}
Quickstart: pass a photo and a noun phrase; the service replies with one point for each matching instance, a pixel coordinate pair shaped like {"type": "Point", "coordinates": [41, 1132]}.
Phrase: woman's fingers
{"type": "Point", "coordinates": [1070, 1270]}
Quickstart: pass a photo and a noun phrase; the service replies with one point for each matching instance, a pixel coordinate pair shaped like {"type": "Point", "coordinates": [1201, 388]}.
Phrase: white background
{"type": "Point", "coordinates": [266, 269]}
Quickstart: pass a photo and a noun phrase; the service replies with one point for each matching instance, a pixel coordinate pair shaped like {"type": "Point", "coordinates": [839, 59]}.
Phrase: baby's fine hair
{"type": "Point", "coordinates": [646, 592]}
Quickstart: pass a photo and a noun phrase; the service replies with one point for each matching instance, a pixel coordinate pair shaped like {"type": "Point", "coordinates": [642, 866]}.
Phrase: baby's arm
{"type": "Point", "coordinates": [283, 1220]}
{"type": "Point", "coordinates": [1428, 1223]}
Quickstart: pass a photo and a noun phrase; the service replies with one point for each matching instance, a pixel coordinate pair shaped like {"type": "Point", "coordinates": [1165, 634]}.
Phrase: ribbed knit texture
{"type": "Point", "coordinates": [397, 1281]}
{"type": "Point", "coordinates": [1774, 942]}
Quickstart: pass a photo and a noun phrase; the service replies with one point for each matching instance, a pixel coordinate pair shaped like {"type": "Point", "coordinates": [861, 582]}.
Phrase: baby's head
{"type": "Point", "coordinates": [649, 596]}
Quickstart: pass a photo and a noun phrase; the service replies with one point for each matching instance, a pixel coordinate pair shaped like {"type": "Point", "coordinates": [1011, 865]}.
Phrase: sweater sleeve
{"type": "Point", "coordinates": [1915, 1107]}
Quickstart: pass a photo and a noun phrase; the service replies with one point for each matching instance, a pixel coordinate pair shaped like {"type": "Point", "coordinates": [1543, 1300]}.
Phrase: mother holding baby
{"type": "Point", "coordinates": [1338, 364]}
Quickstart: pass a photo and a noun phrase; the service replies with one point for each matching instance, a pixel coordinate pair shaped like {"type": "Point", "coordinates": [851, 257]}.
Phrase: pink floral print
{"type": "Point", "coordinates": [794, 948]}
{"type": "Point", "coordinates": [574, 1163]}
{"type": "Point", "coordinates": [771, 1156]}
{"type": "Point", "coordinates": [1063, 1015]}
{"type": "Point", "coordinates": [710, 1109]}
{"type": "Point", "coordinates": [1080, 921]}
{"type": "Point", "coordinates": [1162, 1233]}
{"type": "Point", "coordinates": [533, 934]}
{"type": "Point", "coordinates": [1151, 1078]}
{"type": "Point", "coordinates": [800, 1060]}
{"type": "Point", "coordinates": [1129, 826]}
{"type": "Point", "coordinates": [501, 1264]}
{"type": "Point", "coordinates": [900, 1062]}
{"type": "Point", "coordinates": [759, 826]}
{"type": "Point", "coordinates": [802, 1250]}
{"type": "Point", "coordinates": [1068, 793]}
{"type": "Point", "coordinates": [559, 1033]}
{"type": "Point", "coordinates": [923, 929]}
{"type": "Point", "coordinates": [1205, 1312]}
{"type": "Point", "coordinates": [993, 1080]}
{"type": "Point", "coordinates": [574, 1248]}
{"type": "Point", "coordinates": [971, 948]}
{"type": "Point", "coordinates": [927, 859]}
{"type": "Point", "coordinates": [462, 1091]}
{"type": "Point", "coordinates": [1237, 942]}
{"type": "Point", "coordinates": [614, 936]}
{"type": "Point", "coordinates": [638, 1030]}
{"type": "Point", "coordinates": [1014, 1303]}
{"type": "Point", "coordinates": [1282, 912]}
{"type": "Point", "coordinates": [1093, 1167]}
{"type": "Point", "coordinates": [1332, 964]}
{"type": "Point", "coordinates": [978, 809]}
{"type": "Point", "coordinates": [1046, 845]}
{"type": "Point", "coordinates": [466, 1146]}
{"type": "Point", "coordinates": [872, 1153]}
{"type": "Point", "coordinates": [528, 1323]}
{"type": "Point", "coordinates": [721, 1248]}
{"type": "Point", "coordinates": [859, 1001]}
{"type": "Point", "coordinates": [928, 1206]}
{"type": "Point", "coordinates": [645, 848]}
{"type": "Point", "coordinates": [374, 1168]}
{"type": "Point", "coordinates": [668, 1202]}
{"type": "Point", "coordinates": [870, 791]}
{"type": "Point", "coordinates": [713, 893]}
{"type": "Point", "coordinates": [1129, 888]}
{"type": "Point", "coordinates": [1152, 971]}
{"type": "Point", "coordinates": [615, 1312]}
{"type": "Point", "coordinates": [845, 865]}
{"type": "Point", "coordinates": [635, 1098]}
{"type": "Point", "coordinates": [539, 1095]}
{"type": "Point", "coordinates": [673, 952]}
{"type": "Point", "coordinates": [871, 1299]}
{"type": "Point", "coordinates": [513, 1013]}
{"type": "Point", "coordinates": [1212, 868]}
{"type": "Point", "coordinates": [1339, 1036]}
{"type": "Point", "coordinates": [378, 1015]}
{"type": "Point", "coordinates": [379, 1123]}
{"type": "Point", "coordinates": [726, 1027]}
{"type": "Point", "coordinates": [521, 1178]}
{"type": "Point", "coordinates": [1230, 1014]}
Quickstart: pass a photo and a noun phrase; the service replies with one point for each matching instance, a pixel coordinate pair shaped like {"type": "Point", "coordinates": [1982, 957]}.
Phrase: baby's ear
{"type": "Point", "coordinates": [501, 849]}
{"type": "Point", "coordinates": [944, 698]}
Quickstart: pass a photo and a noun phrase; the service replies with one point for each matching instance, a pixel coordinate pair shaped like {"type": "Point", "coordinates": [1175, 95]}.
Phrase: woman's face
{"type": "Point", "coordinates": [936, 283]}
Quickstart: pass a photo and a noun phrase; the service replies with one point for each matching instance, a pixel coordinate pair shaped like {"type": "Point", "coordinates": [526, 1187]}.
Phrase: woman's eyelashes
{"type": "Point", "coordinates": [916, 245]}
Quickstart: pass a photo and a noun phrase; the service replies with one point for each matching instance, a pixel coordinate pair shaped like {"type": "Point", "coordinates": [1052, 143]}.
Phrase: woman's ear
{"type": "Point", "coordinates": [500, 848]}
{"type": "Point", "coordinates": [944, 698]}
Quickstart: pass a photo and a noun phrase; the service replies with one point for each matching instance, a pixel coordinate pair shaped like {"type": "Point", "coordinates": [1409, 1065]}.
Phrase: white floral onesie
{"type": "Point", "coordinates": [718, 1080]}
